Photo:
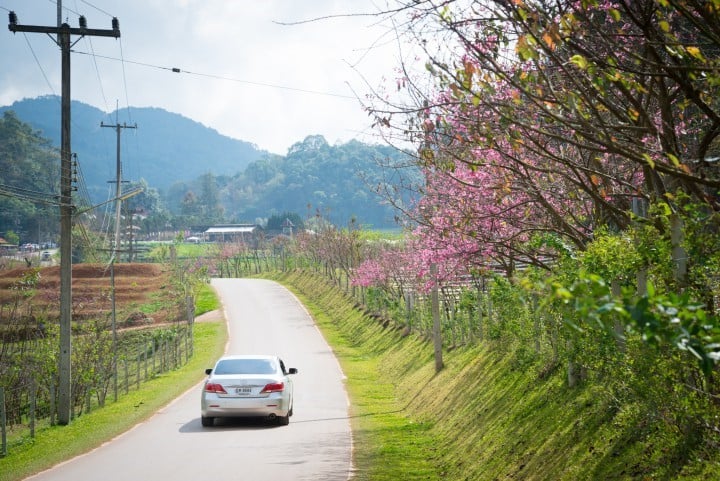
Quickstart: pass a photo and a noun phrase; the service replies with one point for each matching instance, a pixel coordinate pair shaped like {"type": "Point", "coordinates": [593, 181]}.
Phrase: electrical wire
{"type": "Point", "coordinates": [127, 97]}
{"type": "Point", "coordinates": [199, 74]}
{"type": "Point", "coordinates": [97, 72]}
{"type": "Point", "coordinates": [107, 216]}
{"type": "Point", "coordinates": [221, 77]}
{"type": "Point", "coordinates": [83, 194]}
{"type": "Point", "coordinates": [37, 61]}
{"type": "Point", "coordinates": [96, 8]}
{"type": "Point", "coordinates": [29, 195]}
{"type": "Point", "coordinates": [130, 166]}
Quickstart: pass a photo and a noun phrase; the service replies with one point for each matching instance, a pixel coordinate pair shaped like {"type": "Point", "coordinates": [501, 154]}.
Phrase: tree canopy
{"type": "Point", "coordinates": [29, 182]}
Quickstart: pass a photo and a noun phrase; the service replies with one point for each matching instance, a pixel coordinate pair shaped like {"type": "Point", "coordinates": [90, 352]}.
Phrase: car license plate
{"type": "Point", "coordinates": [243, 391]}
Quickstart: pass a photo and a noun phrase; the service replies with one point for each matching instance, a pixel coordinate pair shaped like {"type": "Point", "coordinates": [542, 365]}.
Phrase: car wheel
{"type": "Point", "coordinates": [290, 413]}
{"type": "Point", "coordinates": [207, 422]}
{"type": "Point", "coordinates": [283, 420]}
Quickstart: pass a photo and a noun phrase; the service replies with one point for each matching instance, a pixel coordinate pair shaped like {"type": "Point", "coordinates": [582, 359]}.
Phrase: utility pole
{"type": "Point", "coordinates": [63, 33]}
{"type": "Point", "coordinates": [118, 181]}
{"type": "Point", "coordinates": [116, 246]}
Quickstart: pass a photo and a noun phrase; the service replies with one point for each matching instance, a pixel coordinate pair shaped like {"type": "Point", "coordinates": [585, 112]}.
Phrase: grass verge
{"type": "Point", "coordinates": [206, 300]}
{"type": "Point", "coordinates": [54, 444]}
{"type": "Point", "coordinates": [486, 415]}
{"type": "Point", "coordinates": [388, 443]}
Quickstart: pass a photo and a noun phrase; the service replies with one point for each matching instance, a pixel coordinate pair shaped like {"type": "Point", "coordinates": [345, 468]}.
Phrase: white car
{"type": "Point", "coordinates": [248, 386]}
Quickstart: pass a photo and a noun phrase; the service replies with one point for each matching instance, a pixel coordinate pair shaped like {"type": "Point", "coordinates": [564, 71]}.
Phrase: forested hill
{"type": "Point", "coordinates": [164, 148]}
{"type": "Point", "coordinates": [200, 177]}
{"type": "Point", "coordinates": [337, 182]}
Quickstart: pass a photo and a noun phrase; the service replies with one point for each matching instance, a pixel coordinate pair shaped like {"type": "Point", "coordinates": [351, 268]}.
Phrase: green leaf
{"type": "Point", "coordinates": [580, 61]}
{"type": "Point", "coordinates": [649, 160]}
{"type": "Point", "coordinates": [650, 289]}
{"type": "Point", "coordinates": [673, 158]}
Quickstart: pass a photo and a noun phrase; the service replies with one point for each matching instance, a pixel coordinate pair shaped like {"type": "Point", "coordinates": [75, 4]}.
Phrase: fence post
{"type": "Point", "coordinates": [3, 423]}
{"type": "Point", "coordinates": [137, 371]}
{"type": "Point", "coordinates": [153, 353]}
{"type": "Point", "coordinates": [191, 326]}
{"type": "Point", "coordinates": [52, 403]}
{"type": "Point", "coordinates": [33, 406]}
{"type": "Point", "coordinates": [190, 306]}
{"type": "Point", "coordinates": [115, 374]}
{"type": "Point", "coordinates": [436, 330]}
{"type": "Point", "coordinates": [191, 352]}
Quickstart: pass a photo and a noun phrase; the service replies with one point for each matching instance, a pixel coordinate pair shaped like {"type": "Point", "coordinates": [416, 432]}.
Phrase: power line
{"type": "Point", "coordinates": [220, 77]}
{"type": "Point", "coordinates": [29, 195]}
{"type": "Point", "coordinates": [96, 8]}
{"type": "Point", "coordinates": [127, 98]}
{"type": "Point", "coordinates": [37, 60]}
{"type": "Point", "coordinates": [97, 72]}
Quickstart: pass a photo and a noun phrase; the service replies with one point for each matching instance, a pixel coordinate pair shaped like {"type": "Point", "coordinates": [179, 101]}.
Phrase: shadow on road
{"type": "Point", "coordinates": [228, 424]}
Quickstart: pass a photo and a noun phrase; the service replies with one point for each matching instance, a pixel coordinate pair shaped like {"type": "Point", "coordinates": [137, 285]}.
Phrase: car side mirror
{"type": "Point", "coordinates": [292, 370]}
{"type": "Point", "coordinates": [208, 371]}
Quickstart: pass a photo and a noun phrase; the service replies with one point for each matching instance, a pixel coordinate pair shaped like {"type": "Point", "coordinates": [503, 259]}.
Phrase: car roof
{"type": "Point", "coordinates": [249, 356]}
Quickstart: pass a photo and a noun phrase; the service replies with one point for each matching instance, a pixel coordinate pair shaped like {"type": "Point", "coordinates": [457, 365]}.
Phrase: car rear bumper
{"type": "Point", "coordinates": [244, 407]}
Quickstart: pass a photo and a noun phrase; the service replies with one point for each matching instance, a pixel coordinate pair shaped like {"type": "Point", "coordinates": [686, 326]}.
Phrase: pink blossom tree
{"type": "Point", "coordinates": [554, 117]}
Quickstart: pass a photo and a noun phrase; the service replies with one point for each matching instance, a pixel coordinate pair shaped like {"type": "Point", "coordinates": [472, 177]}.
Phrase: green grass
{"type": "Point", "coordinates": [388, 444]}
{"type": "Point", "coordinates": [206, 300]}
{"type": "Point", "coordinates": [54, 444]}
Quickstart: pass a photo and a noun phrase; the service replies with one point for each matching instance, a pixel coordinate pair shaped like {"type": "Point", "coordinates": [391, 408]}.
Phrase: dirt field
{"type": "Point", "coordinates": [144, 294]}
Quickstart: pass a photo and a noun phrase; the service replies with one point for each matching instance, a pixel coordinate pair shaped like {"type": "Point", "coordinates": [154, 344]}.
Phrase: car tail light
{"type": "Point", "coordinates": [274, 387]}
{"type": "Point", "coordinates": [214, 387]}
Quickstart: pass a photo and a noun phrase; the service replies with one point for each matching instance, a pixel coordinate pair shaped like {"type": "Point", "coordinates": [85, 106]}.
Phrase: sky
{"type": "Point", "coordinates": [243, 71]}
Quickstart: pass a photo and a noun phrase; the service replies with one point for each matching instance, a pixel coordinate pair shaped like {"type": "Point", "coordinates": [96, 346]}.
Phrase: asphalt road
{"type": "Point", "coordinates": [263, 317]}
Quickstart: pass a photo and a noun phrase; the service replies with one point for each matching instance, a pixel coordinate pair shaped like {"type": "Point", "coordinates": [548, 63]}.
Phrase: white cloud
{"type": "Point", "coordinates": [239, 41]}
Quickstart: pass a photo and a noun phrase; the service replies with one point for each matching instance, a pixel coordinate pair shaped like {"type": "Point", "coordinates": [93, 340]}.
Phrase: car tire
{"type": "Point", "coordinates": [207, 422]}
{"type": "Point", "coordinates": [290, 413]}
{"type": "Point", "coordinates": [283, 420]}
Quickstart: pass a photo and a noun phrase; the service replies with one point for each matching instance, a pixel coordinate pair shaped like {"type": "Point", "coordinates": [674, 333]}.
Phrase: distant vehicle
{"type": "Point", "coordinates": [46, 256]}
{"type": "Point", "coordinates": [248, 386]}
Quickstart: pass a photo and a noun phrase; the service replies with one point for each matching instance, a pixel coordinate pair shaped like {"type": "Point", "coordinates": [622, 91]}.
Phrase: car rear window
{"type": "Point", "coordinates": [246, 366]}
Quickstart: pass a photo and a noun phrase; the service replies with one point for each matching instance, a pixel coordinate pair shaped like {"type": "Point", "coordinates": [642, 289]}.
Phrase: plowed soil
{"type": "Point", "coordinates": [136, 286]}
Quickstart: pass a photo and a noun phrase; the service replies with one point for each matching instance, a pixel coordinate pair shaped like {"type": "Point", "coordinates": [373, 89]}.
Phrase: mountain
{"type": "Point", "coordinates": [202, 177]}
{"type": "Point", "coordinates": [337, 182]}
{"type": "Point", "coordinates": [163, 149]}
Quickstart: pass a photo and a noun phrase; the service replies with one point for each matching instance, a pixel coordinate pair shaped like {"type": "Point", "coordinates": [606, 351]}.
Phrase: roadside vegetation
{"type": "Point", "coordinates": [55, 444]}
{"type": "Point", "coordinates": [495, 410]}
{"type": "Point", "coordinates": [125, 365]}
{"type": "Point", "coordinates": [491, 412]}
{"type": "Point", "coordinates": [561, 249]}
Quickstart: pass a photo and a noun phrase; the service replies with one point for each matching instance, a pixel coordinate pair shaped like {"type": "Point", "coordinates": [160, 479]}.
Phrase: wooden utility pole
{"type": "Point", "coordinates": [63, 33]}
{"type": "Point", "coordinates": [116, 246]}
{"type": "Point", "coordinates": [118, 182]}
